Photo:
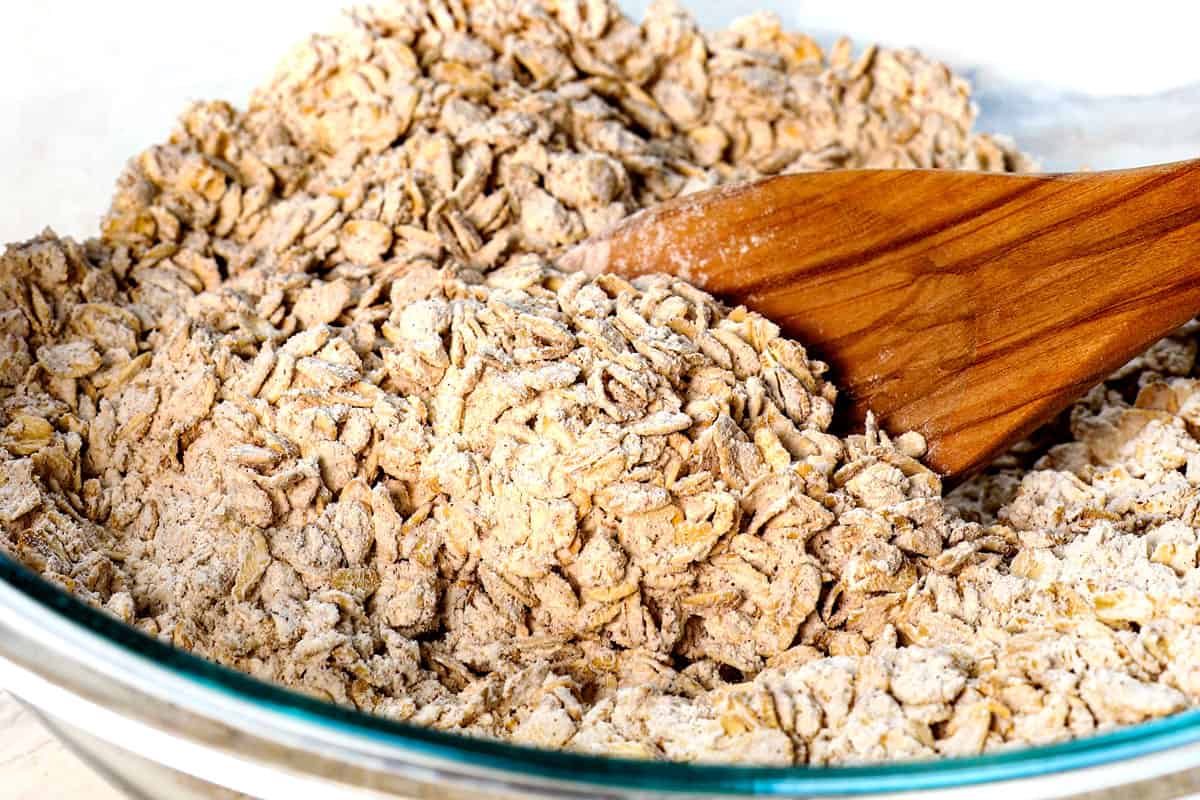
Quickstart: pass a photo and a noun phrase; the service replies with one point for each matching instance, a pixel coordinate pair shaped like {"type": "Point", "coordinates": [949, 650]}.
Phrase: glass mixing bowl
{"type": "Point", "coordinates": [162, 723]}
{"type": "Point", "coordinates": [142, 710]}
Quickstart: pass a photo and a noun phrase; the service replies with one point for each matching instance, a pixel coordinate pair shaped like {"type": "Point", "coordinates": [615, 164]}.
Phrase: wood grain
{"type": "Point", "coordinates": [968, 306]}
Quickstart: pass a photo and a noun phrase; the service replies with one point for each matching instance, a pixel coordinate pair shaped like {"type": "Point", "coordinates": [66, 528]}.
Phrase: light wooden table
{"type": "Point", "coordinates": [34, 765]}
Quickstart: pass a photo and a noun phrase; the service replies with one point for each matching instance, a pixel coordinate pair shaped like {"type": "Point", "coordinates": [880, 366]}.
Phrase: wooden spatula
{"type": "Point", "coordinates": [968, 306]}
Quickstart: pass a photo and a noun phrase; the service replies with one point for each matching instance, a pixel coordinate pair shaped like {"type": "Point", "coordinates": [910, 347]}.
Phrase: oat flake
{"type": "Point", "coordinates": [318, 405]}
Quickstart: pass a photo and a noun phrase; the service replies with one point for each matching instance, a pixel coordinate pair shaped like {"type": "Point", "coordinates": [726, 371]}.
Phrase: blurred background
{"type": "Point", "coordinates": [87, 85]}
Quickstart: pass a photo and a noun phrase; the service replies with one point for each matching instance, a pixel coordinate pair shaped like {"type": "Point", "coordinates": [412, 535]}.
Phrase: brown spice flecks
{"type": "Point", "coordinates": [318, 405]}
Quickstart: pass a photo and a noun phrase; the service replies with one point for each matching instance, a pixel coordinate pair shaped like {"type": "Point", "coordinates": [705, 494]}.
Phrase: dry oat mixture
{"type": "Point", "coordinates": [318, 405]}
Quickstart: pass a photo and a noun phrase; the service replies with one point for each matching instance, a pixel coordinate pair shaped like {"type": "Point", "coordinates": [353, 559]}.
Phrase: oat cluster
{"type": "Point", "coordinates": [319, 405]}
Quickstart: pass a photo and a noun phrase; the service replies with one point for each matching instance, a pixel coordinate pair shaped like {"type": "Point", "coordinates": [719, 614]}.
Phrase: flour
{"type": "Point", "coordinates": [319, 404]}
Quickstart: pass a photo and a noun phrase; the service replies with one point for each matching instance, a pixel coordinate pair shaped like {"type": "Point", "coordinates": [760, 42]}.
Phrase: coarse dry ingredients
{"type": "Point", "coordinates": [317, 405]}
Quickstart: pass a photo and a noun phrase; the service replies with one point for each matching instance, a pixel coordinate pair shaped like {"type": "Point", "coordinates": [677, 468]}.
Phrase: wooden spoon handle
{"type": "Point", "coordinates": [967, 306]}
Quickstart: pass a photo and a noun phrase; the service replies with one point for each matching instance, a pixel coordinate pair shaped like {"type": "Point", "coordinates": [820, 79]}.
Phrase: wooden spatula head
{"type": "Point", "coordinates": [970, 307]}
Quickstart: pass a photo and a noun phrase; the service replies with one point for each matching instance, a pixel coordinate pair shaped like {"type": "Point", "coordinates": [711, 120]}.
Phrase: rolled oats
{"type": "Point", "coordinates": [318, 405]}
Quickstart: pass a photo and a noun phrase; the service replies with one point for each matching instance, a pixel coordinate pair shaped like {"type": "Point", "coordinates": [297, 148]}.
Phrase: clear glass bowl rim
{"type": "Point", "coordinates": [603, 773]}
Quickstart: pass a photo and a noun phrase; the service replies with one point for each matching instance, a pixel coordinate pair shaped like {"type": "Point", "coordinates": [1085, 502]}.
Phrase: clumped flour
{"type": "Point", "coordinates": [318, 405]}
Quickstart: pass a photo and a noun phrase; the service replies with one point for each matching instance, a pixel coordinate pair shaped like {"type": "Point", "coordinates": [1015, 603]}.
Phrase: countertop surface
{"type": "Point", "coordinates": [36, 766]}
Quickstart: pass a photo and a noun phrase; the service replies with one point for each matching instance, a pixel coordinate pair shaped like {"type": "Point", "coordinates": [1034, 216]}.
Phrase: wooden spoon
{"type": "Point", "coordinates": [968, 306]}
